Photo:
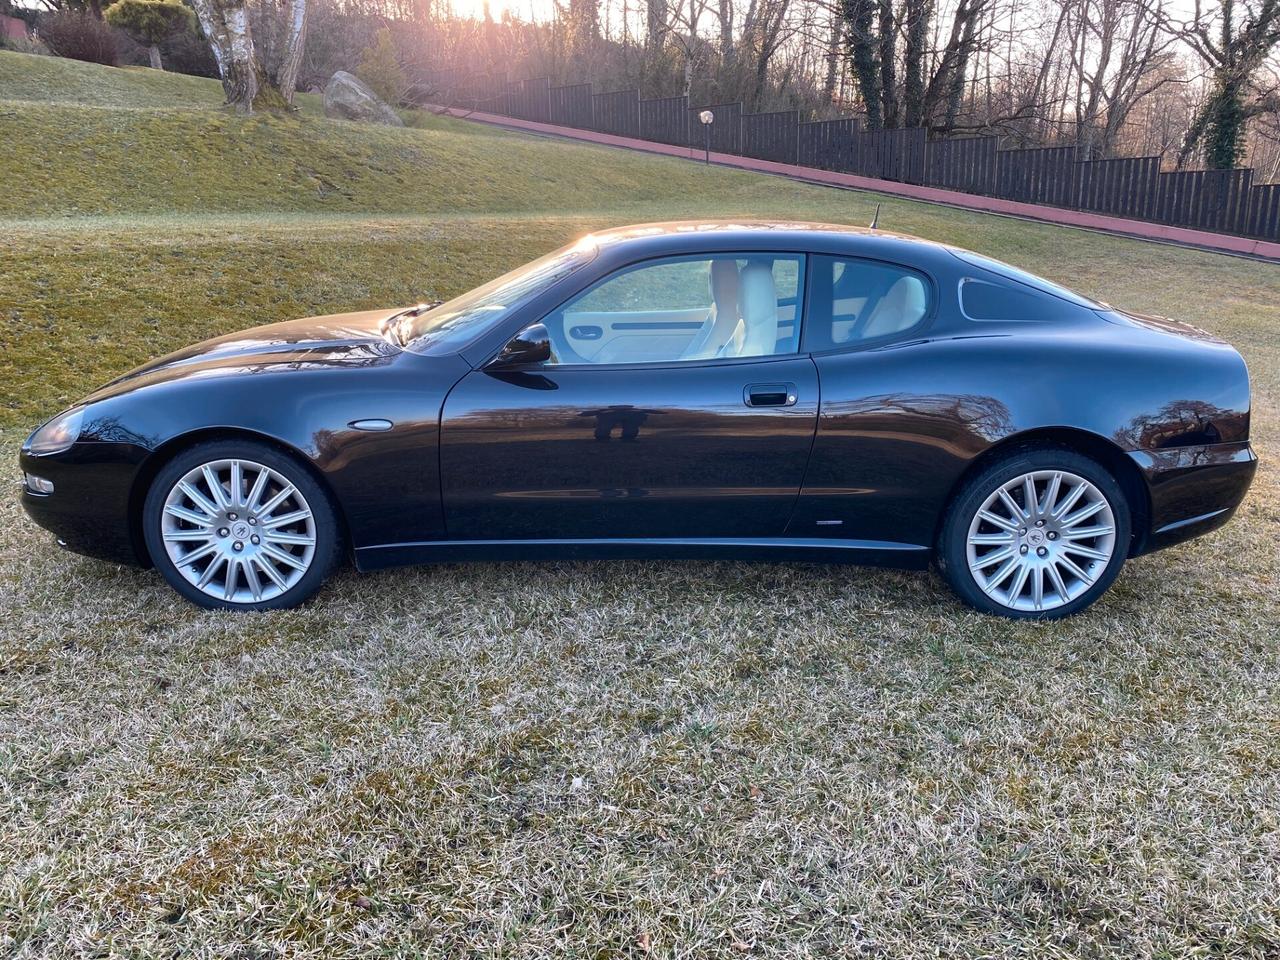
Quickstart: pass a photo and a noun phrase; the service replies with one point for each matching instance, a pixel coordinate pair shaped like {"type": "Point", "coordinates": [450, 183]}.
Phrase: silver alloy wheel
{"type": "Point", "coordinates": [1040, 540]}
{"type": "Point", "coordinates": [238, 531]}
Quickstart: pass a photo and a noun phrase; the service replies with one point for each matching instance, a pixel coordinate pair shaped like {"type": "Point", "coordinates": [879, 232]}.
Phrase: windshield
{"type": "Point", "coordinates": [1026, 279]}
{"type": "Point", "coordinates": [451, 325]}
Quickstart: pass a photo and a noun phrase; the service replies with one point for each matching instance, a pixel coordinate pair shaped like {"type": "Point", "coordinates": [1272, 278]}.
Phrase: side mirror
{"type": "Point", "coordinates": [529, 347]}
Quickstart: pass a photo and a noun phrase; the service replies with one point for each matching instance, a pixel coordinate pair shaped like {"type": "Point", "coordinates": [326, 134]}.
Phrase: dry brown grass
{"type": "Point", "coordinates": [596, 760]}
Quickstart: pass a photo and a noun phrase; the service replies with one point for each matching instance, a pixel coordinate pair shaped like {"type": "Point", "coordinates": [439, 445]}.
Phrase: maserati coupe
{"type": "Point", "coordinates": [703, 390]}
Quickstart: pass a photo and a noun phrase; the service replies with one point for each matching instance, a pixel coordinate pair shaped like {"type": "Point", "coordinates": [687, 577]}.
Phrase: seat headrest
{"type": "Point", "coordinates": [902, 307]}
{"type": "Point", "coordinates": [724, 284]}
{"type": "Point", "coordinates": [759, 310]}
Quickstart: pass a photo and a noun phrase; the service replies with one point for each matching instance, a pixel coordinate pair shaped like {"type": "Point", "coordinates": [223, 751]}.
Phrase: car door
{"type": "Point", "coordinates": [896, 420]}
{"type": "Point", "coordinates": [666, 410]}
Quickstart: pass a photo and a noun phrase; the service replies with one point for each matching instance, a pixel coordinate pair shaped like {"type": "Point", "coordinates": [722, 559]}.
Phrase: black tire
{"type": "Point", "coordinates": [953, 542]}
{"type": "Point", "coordinates": [327, 534]}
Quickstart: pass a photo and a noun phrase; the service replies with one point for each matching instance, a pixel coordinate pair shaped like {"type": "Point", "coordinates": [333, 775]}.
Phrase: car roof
{"type": "Point", "coordinates": [691, 236]}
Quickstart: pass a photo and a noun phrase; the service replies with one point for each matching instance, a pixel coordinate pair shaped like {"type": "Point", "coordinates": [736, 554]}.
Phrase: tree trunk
{"type": "Point", "coordinates": [295, 39]}
{"type": "Point", "coordinates": [1224, 127]}
{"type": "Point", "coordinates": [956, 93]}
{"type": "Point", "coordinates": [861, 38]}
{"type": "Point", "coordinates": [888, 64]}
{"type": "Point", "coordinates": [726, 33]}
{"type": "Point", "coordinates": [655, 23]}
{"type": "Point", "coordinates": [226, 24]}
{"type": "Point", "coordinates": [153, 52]}
{"type": "Point", "coordinates": [919, 18]}
{"type": "Point", "coordinates": [946, 87]}
{"type": "Point", "coordinates": [833, 58]}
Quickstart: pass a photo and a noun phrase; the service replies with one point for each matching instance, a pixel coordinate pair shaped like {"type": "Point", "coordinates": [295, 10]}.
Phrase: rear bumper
{"type": "Point", "coordinates": [1193, 490]}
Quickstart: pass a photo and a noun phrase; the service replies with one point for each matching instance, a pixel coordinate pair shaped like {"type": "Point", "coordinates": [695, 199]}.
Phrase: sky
{"type": "Point", "coordinates": [543, 9]}
{"type": "Point", "coordinates": [523, 9]}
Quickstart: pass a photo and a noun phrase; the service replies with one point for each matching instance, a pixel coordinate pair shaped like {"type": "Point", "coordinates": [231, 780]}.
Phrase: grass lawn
{"type": "Point", "coordinates": [581, 759]}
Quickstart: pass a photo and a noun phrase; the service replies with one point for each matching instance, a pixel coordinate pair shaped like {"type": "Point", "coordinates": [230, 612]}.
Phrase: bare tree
{"type": "Point", "coordinates": [1234, 42]}
{"type": "Point", "coordinates": [295, 39]}
{"type": "Point", "coordinates": [226, 24]}
{"type": "Point", "coordinates": [1121, 44]}
{"type": "Point", "coordinates": [764, 31]}
{"type": "Point", "coordinates": [872, 34]}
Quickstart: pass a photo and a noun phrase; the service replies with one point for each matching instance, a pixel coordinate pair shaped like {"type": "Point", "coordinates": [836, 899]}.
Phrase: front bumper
{"type": "Point", "coordinates": [1193, 490]}
{"type": "Point", "coordinates": [90, 509]}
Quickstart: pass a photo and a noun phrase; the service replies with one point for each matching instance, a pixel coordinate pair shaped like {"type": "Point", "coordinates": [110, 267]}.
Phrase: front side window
{"type": "Point", "coordinates": [855, 301]}
{"type": "Point", "coordinates": [684, 309]}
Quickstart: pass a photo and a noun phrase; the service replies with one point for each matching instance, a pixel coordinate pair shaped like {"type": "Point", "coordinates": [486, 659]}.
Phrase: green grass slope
{"type": "Point", "coordinates": [585, 760]}
{"type": "Point", "coordinates": [133, 141]}
{"type": "Point", "coordinates": [54, 80]}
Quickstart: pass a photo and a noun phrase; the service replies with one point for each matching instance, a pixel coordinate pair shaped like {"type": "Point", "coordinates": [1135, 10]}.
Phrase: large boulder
{"type": "Point", "coordinates": [347, 97]}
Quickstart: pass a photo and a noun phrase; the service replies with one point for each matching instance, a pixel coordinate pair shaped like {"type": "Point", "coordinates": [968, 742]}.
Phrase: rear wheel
{"type": "Point", "coordinates": [1040, 534]}
{"type": "Point", "coordinates": [240, 525]}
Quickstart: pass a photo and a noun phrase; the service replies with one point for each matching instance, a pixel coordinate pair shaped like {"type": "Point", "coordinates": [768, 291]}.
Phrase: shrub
{"type": "Point", "coordinates": [80, 36]}
{"type": "Point", "coordinates": [151, 22]}
{"type": "Point", "coordinates": [23, 45]}
{"type": "Point", "coordinates": [189, 52]}
{"type": "Point", "coordinates": [380, 68]}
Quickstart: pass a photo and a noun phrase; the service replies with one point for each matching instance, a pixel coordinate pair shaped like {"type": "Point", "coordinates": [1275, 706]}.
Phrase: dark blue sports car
{"type": "Point", "coordinates": [702, 390]}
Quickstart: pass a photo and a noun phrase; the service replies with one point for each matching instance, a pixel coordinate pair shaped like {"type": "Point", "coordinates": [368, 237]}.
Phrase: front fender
{"type": "Point", "coordinates": [386, 484]}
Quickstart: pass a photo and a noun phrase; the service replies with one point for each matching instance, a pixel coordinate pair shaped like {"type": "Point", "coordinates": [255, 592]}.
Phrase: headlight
{"type": "Point", "coordinates": [58, 434]}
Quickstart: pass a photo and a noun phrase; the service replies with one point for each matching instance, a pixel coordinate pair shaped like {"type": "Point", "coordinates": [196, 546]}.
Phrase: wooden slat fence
{"type": "Point", "coordinates": [1038, 175]}
{"type": "Point", "coordinates": [617, 113]}
{"type": "Point", "coordinates": [770, 136]}
{"type": "Point", "coordinates": [1263, 217]}
{"type": "Point", "coordinates": [1206, 199]}
{"type": "Point", "coordinates": [530, 100]}
{"type": "Point", "coordinates": [665, 120]}
{"type": "Point", "coordinates": [1226, 201]}
{"type": "Point", "coordinates": [571, 106]}
{"type": "Point", "coordinates": [967, 164]}
{"type": "Point", "coordinates": [726, 129]}
{"type": "Point", "coordinates": [889, 155]}
{"type": "Point", "coordinates": [1127, 187]}
{"type": "Point", "coordinates": [825, 144]}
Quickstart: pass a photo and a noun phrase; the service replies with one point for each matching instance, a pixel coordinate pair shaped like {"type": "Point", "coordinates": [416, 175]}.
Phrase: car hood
{"type": "Point", "coordinates": [339, 339]}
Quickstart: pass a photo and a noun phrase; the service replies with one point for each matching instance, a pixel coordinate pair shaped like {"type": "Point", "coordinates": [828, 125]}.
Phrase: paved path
{"type": "Point", "coordinates": [1141, 229]}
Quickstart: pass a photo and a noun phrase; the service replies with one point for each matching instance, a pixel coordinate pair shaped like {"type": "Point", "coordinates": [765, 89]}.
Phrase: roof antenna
{"type": "Point", "coordinates": [875, 219]}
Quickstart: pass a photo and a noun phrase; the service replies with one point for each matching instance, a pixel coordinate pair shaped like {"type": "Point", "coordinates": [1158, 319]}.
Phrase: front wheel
{"type": "Point", "coordinates": [1040, 534]}
{"type": "Point", "coordinates": [240, 525]}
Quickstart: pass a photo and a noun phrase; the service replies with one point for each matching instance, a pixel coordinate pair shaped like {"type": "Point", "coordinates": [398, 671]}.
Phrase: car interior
{"type": "Point", "coordinates": [864, 301]}
{"type": "Point", "coordinates": [732, 306]}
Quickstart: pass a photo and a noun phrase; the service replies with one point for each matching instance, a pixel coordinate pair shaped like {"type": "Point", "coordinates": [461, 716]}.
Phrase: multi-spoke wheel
{"type": "Point", "coordinates": [239, 525]}
{"type": "Point", "coordinates": [1042, 533]}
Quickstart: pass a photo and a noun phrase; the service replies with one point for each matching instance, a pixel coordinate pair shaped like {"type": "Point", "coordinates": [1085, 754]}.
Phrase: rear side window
{"type": "Point", "coordinates": [1021, 277]}
{"type": "Point", "coordinates": [980, 300]}
{"type": "Point", "coordinates": [858, 301]}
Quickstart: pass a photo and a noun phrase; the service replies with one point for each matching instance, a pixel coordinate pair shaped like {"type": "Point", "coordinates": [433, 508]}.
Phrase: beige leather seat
{"type": "Point", "coordinates": [759, 312]}
{"type": "Point", "coordinates": [899, 309]}
{"type": "Point", "coordinates": [723, 319]}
